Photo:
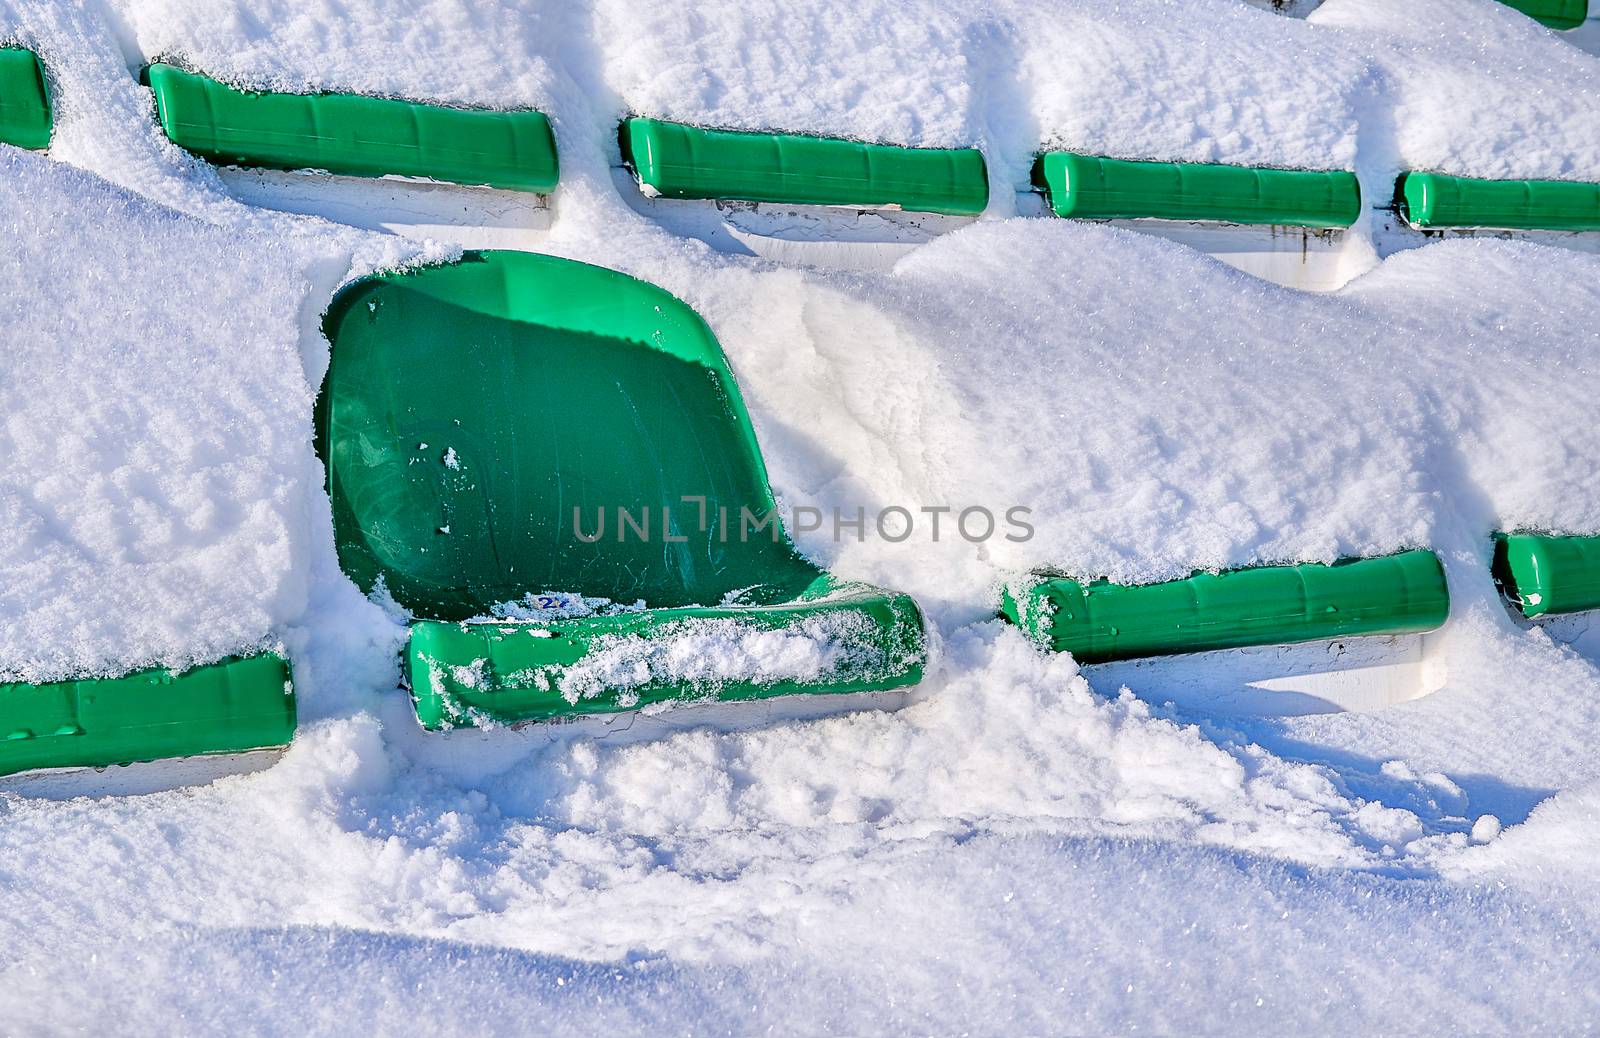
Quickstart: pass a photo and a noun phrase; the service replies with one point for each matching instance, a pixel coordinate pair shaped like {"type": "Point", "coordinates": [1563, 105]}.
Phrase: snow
{"type": "Point", "coordinates": [1162, 79]}
{"type": "Point", "coordinates": [1019, 848]}
{"type": "Point", "coordinates": [1470, 87]}
{"type": "Point", "coordinates": [1509, 962]}
{"type": "Point", "coordinates": [701, 655]}
{"type": "Point", "coordinates": [707, 654]}
{"type": "Point", "coordinates": [496, 54]}
{"type": "Point", "coordinates": [873, 70]}
{"type": "Point", "coordinates": [1150, 452]}
{"type": "Point", "coordinates": [156, 453]}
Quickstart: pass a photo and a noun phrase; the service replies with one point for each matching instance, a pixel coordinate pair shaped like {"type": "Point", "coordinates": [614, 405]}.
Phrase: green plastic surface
{"type": "Point", "coordinates": [354, 135]}
{"type": "Point", "coordinates": [1095, 188]}
{"type": "Point", "coordinates": [678, 161]}
{"type": "Point", "coordinates": [479, 418]}
{"type": "Point", "coordinates": [463, 674]}
{"type": "Point", "coordinates": [1437, 200]}
{"type": "Point", "coordinates": [1557, 14]}
{"type": "Point", "coordinates": [24, 100]}
{"type": "Point", "coordinates": [1265, 605]}
{"type": "Point", "coordinates": [493, 397]}
{"type": "Point", "coordinates": [227, 707]}
{"type": "Point", "coordinates": [1544, 574]}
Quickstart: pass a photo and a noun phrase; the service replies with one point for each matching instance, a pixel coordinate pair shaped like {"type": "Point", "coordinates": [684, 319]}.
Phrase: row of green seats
{"type": "Point", "coordinates": [1100, 622]}
{"type": "Point", "coordinates": [338, 133]}
{"type": "Point", "coordinates": [1557, 14]}
{"type": "Point", "coordinates": [368, 136]}
{"type": "Point", "coordinates": [463, 673]}
{"type": "Point", "coordinates": [1097, 188]}
{"type": "Point", "coordinates": [676, 161]}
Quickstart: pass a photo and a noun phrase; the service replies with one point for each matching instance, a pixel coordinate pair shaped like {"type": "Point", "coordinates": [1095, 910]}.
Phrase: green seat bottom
{"type": "Point", "coordinates": [227, 707]}
{"type": "Point", "coordinates": [1433, 200]}
{"type": "Point", "coordinates": [1543, 574]}
{"type": "Point", "coordinates": [834, 637]}
{"type": "Point", "coordinates": [1265, 605]}
{"type": "Point", "coordinates": [1092, 187]}
{"type": "Point", "coordinates": [25, 117]}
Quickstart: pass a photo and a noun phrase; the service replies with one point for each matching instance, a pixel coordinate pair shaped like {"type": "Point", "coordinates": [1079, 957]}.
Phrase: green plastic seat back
{"type": "Point", "coordinates": [483, 421]}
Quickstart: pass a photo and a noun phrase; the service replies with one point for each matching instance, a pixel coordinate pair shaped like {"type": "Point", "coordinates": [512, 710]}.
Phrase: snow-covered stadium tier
{"type": "Point", "coordinates": [1545, 575]}
{"type": "Point", "coordinates": [1437, 200]}
{"type": "Point", "coordinates": [560, 451]}
{"type": "Point", "coordinates": [672, 160]}
{"type": "Point", "coordinates": [1557, 14]}
{"type": "Point", "coordinates": [25, 114]}
{"type": "Point", "coordinates": [235, 706]}
{"type": "Point", "coordinates": [1263, 605]}
{"type": "Point", "coordinates": [1099, 188]}
{"type": "Point", "coordinates": [354, 135]}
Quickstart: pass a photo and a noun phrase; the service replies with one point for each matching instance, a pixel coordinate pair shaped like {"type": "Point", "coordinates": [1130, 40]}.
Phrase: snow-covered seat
{"type": "Point", "coordinates": [673, 160]}
{"type": "Point", "coordinates": [1262, 605]}
{"type": "Point", "coordinates": [354, 135]}
{"type": "Point", "coordinates": [511, 439]}
{"type": "Point", "coordinates": [1095, 187]}
{"type": "Point", "coordinates": [232, 706]}
{"type": "Point", "coordinates": [1434, 200]}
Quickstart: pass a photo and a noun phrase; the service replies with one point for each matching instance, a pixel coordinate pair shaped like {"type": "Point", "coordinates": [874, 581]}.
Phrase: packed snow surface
{"type": "Point", "coordinates": [1457, 88]}
{"type": "Point", "coordinates": [1019, 849]}
{"type": "Point", "coordinates": [155, 467]}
